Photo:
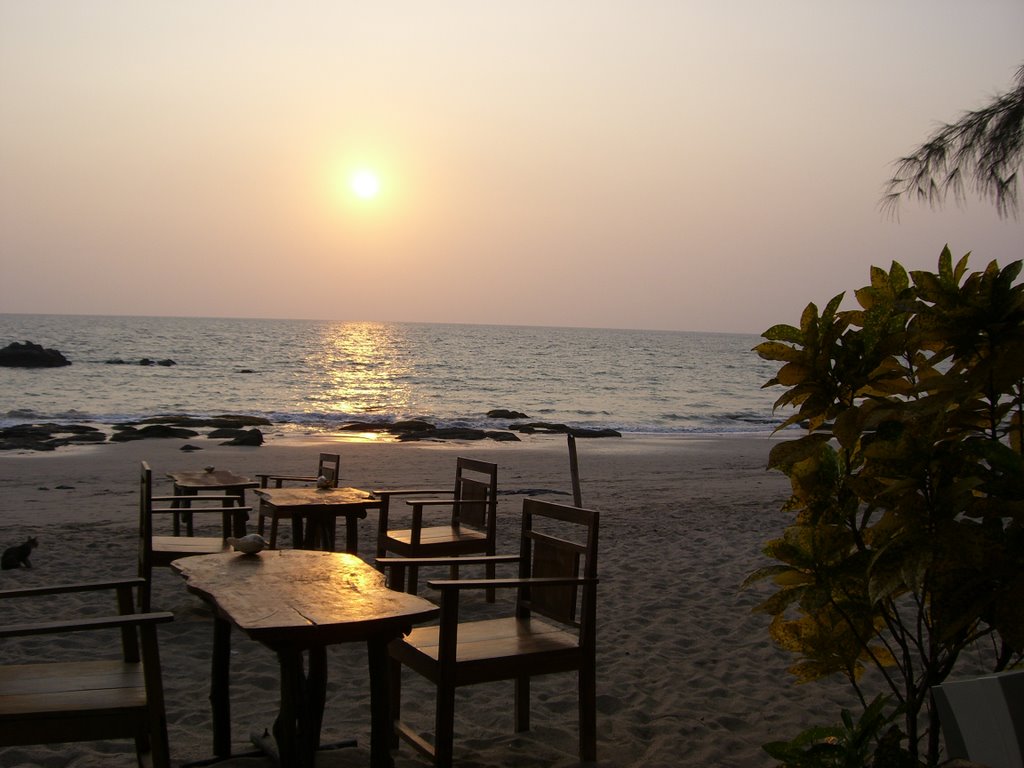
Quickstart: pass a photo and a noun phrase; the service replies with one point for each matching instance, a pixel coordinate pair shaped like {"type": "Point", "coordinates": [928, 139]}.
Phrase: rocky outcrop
{"type": "Point", "coordinates": [47, 437]}
{"type": "Point", "coordinates": [30, 355]}
{"type": "Point", "coordinates": [224, 421]}
{"type": "Point", "coordinates": [459, 433]}
{"type": "Point", "coordinates": [124, 433]}
{"type": "Point", "coordinates": [409, 426]}
{"type": "Point", "coordinates": [503, 413]}
{"type": "Point", "coordinates": [251, 437]}
{"type": "Point", "coordinates": [144, 361]}
{"type": "Point", "coordinates": [544, 427]}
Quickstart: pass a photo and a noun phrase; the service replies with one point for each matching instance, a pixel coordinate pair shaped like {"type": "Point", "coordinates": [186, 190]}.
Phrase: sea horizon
{"type": "Point", "coordinates": [313, 376]}
{"type": "Point", "coordinates": [351, 320]}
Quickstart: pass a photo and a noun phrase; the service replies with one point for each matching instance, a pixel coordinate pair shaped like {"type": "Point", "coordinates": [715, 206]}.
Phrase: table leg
{"type": "Point", "coordinates": [220, 699]}
{"type": "Point", "coordinates": [381, 726]}
{"type": "Point", "coordinates": [286, 730]}
{"type": "Point", "coordinates": [351, 534]}
{"type": "Point", "coordinates": [317, 692]}
{"type": "Point", "coordinates": [177, 516]}
{"type": "Point", "coordinates": [303, 696]}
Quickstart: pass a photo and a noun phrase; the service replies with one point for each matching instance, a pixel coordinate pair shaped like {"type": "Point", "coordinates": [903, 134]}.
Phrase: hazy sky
{"type": "Point", "coordinates": [649, 164]}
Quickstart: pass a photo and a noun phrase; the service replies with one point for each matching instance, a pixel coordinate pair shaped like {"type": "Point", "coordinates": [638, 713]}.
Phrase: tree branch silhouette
{"type": "Point", "coordinates": [983, 150]}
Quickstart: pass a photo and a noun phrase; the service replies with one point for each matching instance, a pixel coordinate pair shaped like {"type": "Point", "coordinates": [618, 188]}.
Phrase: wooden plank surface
{"type": "Point", "coordinates": [218, 478]}
{"type": "Point", "coordinates": [94, 686]}
{"type": "Point", "coordinates": [307, 496]}
{"type": "Point", "coordinates": [302, 598]}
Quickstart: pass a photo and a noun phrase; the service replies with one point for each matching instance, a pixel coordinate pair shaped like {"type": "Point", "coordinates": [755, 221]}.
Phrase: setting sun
{"type": "Point", "coordinates": [365, 184]}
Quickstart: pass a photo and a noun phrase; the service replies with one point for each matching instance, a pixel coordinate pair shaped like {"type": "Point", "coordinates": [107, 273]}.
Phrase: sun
{"type": "Point", "coordinates": [365, 184]}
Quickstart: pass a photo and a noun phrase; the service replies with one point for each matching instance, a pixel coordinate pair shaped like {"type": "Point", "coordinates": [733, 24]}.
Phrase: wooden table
{"type": "Point", "coordinates": [192, 483]}
{"type": "Point", "coordinates": [320, 508]}
{"type": "Point", "coordinates": [296, 601]}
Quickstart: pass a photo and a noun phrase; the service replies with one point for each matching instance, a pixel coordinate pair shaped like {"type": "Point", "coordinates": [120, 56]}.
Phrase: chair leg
{"type": "Point", "coordinates": [396, 578]}
{"type": "Point", "coordinates": [444, 726]}
{"type": "Point", "coordinates": [144, 592]}
{"type": "Point", "coordinates": [143, 753]}
{"type": "Point", "coordinates": [395, 697]}
{"type": "Point", "coordinates": [159, 751]}
{"type": "Point", "coordinates": [588, 715]}
{"type": "Point", "coordinates": [413, 579]}
{"type": "Point", "coordinates": [272, 544]}
{"type": "Point", "coordinates": [260, 525]}
{"type": "Point", "coordinates": [522, 704]}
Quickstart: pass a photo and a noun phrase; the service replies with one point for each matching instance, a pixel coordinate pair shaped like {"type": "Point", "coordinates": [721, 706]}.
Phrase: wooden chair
{"type": "Point", "coordinates": [162, 550]}
{"type": "Point", "coordinates": [89, 700]}
{"type": "Point", "coordinates": [983, 718]}
{"type": "Point", "coordinates": [471, 528]}
{"type": "Point", "coordinates": [552, 629]}
{"type": "Point", "coordinates": [328, 466]}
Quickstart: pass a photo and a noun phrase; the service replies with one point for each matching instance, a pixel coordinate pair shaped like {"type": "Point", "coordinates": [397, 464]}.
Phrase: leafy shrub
{"type": "Point", "coordinates": [906, 545]}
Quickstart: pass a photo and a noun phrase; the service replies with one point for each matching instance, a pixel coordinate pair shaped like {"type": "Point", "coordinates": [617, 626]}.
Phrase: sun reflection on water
{"type": "Point", "coordinates": [361, 370]}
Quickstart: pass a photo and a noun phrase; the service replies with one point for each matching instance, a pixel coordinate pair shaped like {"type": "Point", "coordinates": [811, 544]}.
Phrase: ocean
{"type": "Point", "coordinates": [313, 376]}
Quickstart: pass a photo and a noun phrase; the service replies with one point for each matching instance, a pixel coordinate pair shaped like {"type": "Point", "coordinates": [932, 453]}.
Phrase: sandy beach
{"type": "Point", "coordinates": [687, 675]}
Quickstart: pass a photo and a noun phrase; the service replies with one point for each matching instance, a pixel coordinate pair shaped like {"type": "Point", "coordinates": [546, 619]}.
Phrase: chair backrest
{"type": "Point", "coordinates": [560, 541]}
{"type": "Point", "coordinates": [476, 482]}
{"type": "Point", "coordinates": [329, 466]}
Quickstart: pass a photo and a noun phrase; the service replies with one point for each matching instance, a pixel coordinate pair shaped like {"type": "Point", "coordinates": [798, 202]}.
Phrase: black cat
{"type": "Point", "coordinates": [17, 556]}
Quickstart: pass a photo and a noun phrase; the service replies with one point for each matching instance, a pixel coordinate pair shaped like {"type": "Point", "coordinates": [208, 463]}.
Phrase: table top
{"type": "Point", "coordinates": [306, 496]}
{"type": "Point", "coordinates": [300, 599]}
{"type": "Point", "coordinates": [217, 479]}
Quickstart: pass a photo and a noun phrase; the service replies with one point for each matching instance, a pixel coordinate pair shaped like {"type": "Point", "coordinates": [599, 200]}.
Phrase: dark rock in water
{"type": "Point", "coordinates": [30, 355]}
{"type": "Point", "coordinates": [547, 428]}
{"type": "Point", "coordinates": [41, 437]}
{"type": "Point", "coordinates": [458, 433]}
{"type": "Point", "coordinates": [222, 420]}
{"type": "Point", "coordinates": [544, 427]}
{"type": "Point", "coordinates": [411, 425]}
{"type": "Point", "coordinates": [166, 430]}
{"type": "Point", "coordinates": [502, 413]}
{"type": "Point", "coordinates": [365, 426]}
{"type": "Point", "coordinates": [143, 361]}
{"type": "Point", "coordinates": [246, 370]}
{"type": "Point", "coordinates": [188, 448]}
{"type": "Point", "coordinates": [249, 437]}
{"type": "Point", "coordinates": [87, 437]}
{"type": "Point", "coordinates": [502, 437]}
{"type": "Point", "coordinates": [125, 433]}
{"type": "Point", "coordinates": [595, 433]}
{"type": "Point", "coordinates": [225, 433]}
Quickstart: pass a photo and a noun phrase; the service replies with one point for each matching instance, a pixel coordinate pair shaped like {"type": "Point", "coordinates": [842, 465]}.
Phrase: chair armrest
{"type": "Point", "coordinates": [410, 491]}
{"type": "Point", "coordinates": [199, 497]}
{"type": "Point", "coordinates": [440, 502]}
{"type": "Point", "coordinates": [447, 584]}
{"type": "Point", "coordinates": [102, 622]}
{"type": "Point", "coordinates": [297, 478]}
{"type": "Point", "coordinates": [83, 586]}
{"type": "Point", "coordinates": [448, 561]}
{"type": "Point", "coordinates": [198, 510]}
